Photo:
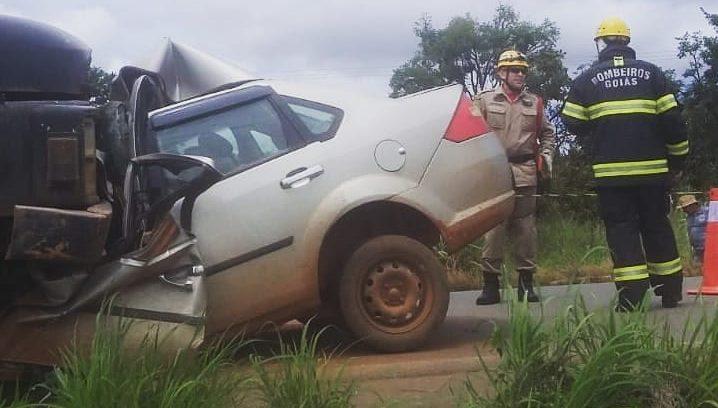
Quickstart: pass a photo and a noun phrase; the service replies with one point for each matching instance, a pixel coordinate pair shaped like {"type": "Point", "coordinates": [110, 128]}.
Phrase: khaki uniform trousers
{"type": "Point", "coordinates": [520, 230]}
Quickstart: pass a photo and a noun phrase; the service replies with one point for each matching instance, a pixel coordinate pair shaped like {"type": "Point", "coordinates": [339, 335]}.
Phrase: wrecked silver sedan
{"type": "Point", "coordinates": [207, 200]}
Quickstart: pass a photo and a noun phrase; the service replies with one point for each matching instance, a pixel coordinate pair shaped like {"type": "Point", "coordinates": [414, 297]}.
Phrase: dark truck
{"type": "Point", "coordinates": [68, 202]}
{"type": "Point", "coordinates": [57, 190]}
{"type": "Point", "coordinates": [48, 158]}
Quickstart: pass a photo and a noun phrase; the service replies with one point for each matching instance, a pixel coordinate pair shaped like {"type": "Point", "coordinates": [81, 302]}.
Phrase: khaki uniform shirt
{"type": "Point", "coordinates": [515, 125]}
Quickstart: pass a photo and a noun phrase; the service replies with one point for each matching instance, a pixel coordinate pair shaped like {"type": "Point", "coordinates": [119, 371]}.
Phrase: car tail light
{"type": "Point", "coordinates": [464, 125]}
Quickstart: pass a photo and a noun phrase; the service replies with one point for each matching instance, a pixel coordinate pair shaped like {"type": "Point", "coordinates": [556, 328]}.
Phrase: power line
{"type": "Point", "coordinates": [385, 70]}
{"type": "Point", "coordinates": [377, 70]}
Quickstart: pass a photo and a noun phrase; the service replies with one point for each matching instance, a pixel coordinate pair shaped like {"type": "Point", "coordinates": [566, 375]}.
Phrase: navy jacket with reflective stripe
{"type": "Point", "coordinates": [630, 120]}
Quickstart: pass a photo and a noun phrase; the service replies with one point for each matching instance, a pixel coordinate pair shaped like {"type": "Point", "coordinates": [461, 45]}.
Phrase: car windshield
{"type": "Point", "coordinates": [233, 138]}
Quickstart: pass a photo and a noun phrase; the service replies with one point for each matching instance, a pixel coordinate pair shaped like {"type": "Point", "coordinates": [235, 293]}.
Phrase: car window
{"type": "Point", "coordinates": [315, 120]}
{"type": "Point", "coordinates": [264, 142]}
{"type": "Point", "coordinates": [320, 120]}
{"type": "Point", "coordinates": [234, 138]}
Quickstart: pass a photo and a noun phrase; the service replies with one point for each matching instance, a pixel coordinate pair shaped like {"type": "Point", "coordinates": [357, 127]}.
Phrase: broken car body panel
{"type": "Point", "coordinates": [188, 72]}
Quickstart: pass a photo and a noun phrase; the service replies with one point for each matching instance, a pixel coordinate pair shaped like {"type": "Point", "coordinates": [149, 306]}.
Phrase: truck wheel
{"type": "Point", "coordinates": [393, 293]}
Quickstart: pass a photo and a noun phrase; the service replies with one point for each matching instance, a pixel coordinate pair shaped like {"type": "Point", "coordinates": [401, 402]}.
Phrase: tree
{"type": "Point", "coordinates": [100, 82]}
{"type": "Point", "coordinates": [701, 104]}
{"type": "Point", "coordinates": [466, 50]}
{"type": "Point", "coordinates": [415, 75]}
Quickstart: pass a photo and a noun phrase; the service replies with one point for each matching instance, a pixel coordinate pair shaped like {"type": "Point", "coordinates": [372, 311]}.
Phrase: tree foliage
{"type": "Point", "coordinates": [100, 81]}
{"type": "Point", "coordinates": [466, 50]}
{"type": "Point", "coordinates": [415, 75]}
{"type": "Point", "coordinates": [701, 103]}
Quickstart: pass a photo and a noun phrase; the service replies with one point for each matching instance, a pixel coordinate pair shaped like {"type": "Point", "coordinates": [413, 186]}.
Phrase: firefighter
{"type": "Point", "coordinates": [517, 117]}
{"type": "Point", "coordinates": [637, 142]}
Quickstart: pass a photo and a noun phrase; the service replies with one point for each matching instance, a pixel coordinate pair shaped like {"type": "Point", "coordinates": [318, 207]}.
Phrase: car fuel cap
{"type": "Point", "coordinates": [390, 155]}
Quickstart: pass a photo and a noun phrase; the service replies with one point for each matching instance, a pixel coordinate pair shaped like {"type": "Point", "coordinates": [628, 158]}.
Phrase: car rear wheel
{"type": "Point", "coordinates": [393, 293]}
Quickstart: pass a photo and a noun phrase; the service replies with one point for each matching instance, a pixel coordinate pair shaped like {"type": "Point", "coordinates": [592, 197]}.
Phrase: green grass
{"type": "Point", "coordinates": [296, 377]}
{"type": "Point", "coordinates": [571, 249]}
{"type": "Point", "coordinates": [15, 399]}
{"type": "Point", "coordinates": [17, 403]}
{"type": "Point", "coordinates": [110, 375]}
{"type": "Point", "coordinates": [113, 376]}
{"type": "Point", "coordinates": [601, 359]}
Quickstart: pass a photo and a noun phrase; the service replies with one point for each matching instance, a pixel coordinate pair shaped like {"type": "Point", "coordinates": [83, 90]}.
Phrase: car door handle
{"type": "Point", "coordinates": [179, 277]}
{"type": "Point", "coordinates": [301, 176]}
{"type": "Point", "coordinates": [187, 285]}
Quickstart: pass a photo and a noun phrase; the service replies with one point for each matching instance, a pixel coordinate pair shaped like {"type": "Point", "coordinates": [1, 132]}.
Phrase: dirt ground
{"type": "Point", "coordinates": [460, 280]}
{"type": "Point", "coordinates": [426, 391]}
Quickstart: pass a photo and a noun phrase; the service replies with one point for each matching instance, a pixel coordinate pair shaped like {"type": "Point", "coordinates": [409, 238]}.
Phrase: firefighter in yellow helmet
{"type": "Point", "coordinates": [512, 58]}
{"type": "Point", "coordinates": [517, 117]}
{"type": "Point", "coordinates": [637, 141]}
{"type": "Point", "coordinates": [612, 30]}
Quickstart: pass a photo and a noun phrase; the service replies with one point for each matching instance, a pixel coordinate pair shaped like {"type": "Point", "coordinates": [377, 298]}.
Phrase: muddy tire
{"type": "Point", "coordinates": [393, 293]}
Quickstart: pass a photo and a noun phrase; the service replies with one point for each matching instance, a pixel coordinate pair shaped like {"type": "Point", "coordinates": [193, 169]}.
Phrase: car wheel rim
{"type": "Point", "coordinates": [395, 296]}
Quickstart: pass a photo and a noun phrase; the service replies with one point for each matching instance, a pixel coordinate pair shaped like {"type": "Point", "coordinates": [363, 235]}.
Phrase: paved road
{"type": "Point", "coordinates": [468, 325]}
{"type": "Point", "coordinates": [426, 377]}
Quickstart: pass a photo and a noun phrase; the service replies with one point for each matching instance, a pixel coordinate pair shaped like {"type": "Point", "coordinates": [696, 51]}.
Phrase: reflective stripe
{"type": "Point", "coordinates": [648, 106]}
{"type": "Point", "coordinates": [629, 164]}
{"type": "Point", "coordinates": [575, 111]}
{"type": "Point", "coordinates": [678, 149]}
{"type": "Point", "coordinates": [636, 168]}
{"type": "Point", "coordinates": [665, 103]}
{"type": "Point", "coordinates": [621, 108]}
{"type": "Point", "coordinates": [628, 273]}
{"type": "Point", "coordinates": [665, 268]}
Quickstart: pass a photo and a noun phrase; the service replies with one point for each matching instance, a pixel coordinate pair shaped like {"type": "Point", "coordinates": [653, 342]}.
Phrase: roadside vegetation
{"type": "Point", "coordinates": [571, 249]}
{"type": "Point", "coordinates": [579, 358]}
{"type": "Point", "coordinates": [296, 377]}
{"type": "Point", "coordinates": [601, 359]}
{"type": "Point", "coordinates": [220, 375]}
{"type": "Point", "coordinates": [110, 374]}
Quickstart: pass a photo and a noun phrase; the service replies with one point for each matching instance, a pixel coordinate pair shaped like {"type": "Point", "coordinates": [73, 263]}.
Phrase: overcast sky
{"type": "Point", "coordinates": [357, 42]}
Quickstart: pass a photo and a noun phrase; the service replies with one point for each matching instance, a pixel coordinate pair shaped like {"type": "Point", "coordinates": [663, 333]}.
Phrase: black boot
{"type": "Point", "coordinates": [672, 290]}
{"type": "Point", "coordinates": [657, 282]}
{"type": "Point", "coordinates": [490, 291]}
{"type": "Point", "coordinates": [630, 294]}
{"type": "Point", "coordinates": [669, 288]}
{"type": "Point", "coordinates": [526, 287]}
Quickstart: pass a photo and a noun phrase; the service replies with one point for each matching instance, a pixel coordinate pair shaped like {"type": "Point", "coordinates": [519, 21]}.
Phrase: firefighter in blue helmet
{"type": "Point", "coordinates": [637, 142]}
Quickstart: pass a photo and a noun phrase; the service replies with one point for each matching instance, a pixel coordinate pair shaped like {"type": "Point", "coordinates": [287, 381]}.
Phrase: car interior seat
{"type": "Point", "coordinates": [218, 149]}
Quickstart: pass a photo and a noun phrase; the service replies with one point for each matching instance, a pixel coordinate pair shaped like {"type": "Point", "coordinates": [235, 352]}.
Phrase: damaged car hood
{"type": "Point", "coordinates": [188, 72]}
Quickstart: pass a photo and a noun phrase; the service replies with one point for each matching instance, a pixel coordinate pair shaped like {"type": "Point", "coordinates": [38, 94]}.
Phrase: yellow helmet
{"type": "Point", "coordinates": [512, 58]}
{"type": "Point", "coordinates": [613, 26]}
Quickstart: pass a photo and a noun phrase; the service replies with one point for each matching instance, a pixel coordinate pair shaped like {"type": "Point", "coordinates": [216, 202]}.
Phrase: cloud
{"type": "Point", "coordinates": [11, 11]}
{"type": "Point", "coordinates": [95, 25]}
{"type": "Point", "coordinates": [340, 39]}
